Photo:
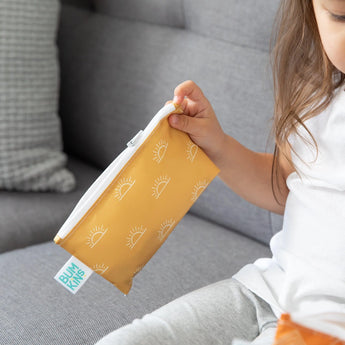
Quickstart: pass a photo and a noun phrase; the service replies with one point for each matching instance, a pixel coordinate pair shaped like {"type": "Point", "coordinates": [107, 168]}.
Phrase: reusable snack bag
{"type": "Point", "coordinates": [134, 205]}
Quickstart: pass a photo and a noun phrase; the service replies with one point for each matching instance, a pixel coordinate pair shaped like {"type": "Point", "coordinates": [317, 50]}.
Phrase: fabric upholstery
{"type": "Point", "coordinates": [118, 73]}
{"type": "Point", "coordinates": [35, 309]}
{"type": "Point", "coordinates": [29, 217]}
{"type": "Point", "coordinates": [31, 157]}
{"type": "Point", "coordinates": [162, 12]}
{"type": "Point", "coordinates": [246, 24]}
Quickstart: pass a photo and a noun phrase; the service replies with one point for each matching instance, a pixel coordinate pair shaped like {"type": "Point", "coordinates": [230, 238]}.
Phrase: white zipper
{"type": "Point", "coordinates": [102, 182]}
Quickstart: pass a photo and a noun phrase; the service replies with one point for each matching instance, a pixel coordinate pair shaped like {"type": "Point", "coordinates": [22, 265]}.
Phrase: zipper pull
{"type": "Point", "coordinates": [134, 140]}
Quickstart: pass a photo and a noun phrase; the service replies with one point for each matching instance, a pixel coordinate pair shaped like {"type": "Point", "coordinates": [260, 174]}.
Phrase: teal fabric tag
{"type": "Point", "coordinates": [73, 275]}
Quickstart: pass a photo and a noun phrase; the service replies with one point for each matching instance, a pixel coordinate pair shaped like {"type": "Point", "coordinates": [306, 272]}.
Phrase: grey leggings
{"type": "Point", "coordinates": [215, 314]}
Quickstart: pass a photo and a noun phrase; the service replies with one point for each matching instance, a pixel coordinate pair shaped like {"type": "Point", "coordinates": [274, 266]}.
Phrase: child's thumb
{"type": "Point", "coordinates": [182, 122]}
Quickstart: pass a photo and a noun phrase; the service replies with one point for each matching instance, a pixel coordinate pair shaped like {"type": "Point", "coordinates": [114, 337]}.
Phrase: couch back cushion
{"type": "Point", "coordinates": [161, 12]}
{"type": "Point", "coordinates": [246, 23]}
{"type": "Point", "coordinates": [120, 62]}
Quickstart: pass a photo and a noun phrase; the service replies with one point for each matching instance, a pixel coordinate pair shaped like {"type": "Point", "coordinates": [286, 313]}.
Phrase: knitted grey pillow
{"type": "Point", "coordinates": [31, 157]}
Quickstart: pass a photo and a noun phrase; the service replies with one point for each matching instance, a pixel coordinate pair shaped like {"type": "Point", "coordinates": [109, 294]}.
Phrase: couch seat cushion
{"type": "Point", "coordinates": [28, 217]}
{"type": "Point", "coordinates": [37, 310]}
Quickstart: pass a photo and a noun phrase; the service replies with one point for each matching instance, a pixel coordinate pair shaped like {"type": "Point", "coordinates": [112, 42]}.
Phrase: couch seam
{"type": "Point", "coordinates": [92, 11]}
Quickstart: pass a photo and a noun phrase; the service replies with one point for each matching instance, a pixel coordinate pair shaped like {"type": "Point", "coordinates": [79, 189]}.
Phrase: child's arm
{"type": "Point", "coordinates": [246, 172]}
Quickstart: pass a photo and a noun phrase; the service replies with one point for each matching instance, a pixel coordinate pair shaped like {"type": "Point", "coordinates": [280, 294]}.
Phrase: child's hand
{"type": "Point", "coordinates": [198, 119]}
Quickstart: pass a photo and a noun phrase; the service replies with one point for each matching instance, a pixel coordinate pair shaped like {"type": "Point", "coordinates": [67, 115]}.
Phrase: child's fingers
{"type": "Point", "coordinates": [183, 105]}
{"type": "Point", "coordinates": [184, 123]}
{"type": "Point", "coordinates": [191, 90]}
{"type": "Point", "coordinates": [188, 106]}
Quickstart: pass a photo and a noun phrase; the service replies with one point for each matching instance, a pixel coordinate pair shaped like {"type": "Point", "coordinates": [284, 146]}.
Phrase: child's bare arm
{"type": "Point", "coordinates": [248, 174]}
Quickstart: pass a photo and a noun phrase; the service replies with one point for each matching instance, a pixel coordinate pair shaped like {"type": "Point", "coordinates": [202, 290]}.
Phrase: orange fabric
{"type": "Point", "coordinates": [291, 333]}
{"type": "Point", "coordinates": [143, 204]}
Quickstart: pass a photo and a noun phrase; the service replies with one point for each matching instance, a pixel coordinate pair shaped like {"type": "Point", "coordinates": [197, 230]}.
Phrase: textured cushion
{"type": "Point", "coordinates": [28, 218]}
{"type": "Point", "coordinates": [35, 309]}
{"type": "Point", "coordinates": [117, 91]}
{"type": "Point", "coordinates": [30, 138]}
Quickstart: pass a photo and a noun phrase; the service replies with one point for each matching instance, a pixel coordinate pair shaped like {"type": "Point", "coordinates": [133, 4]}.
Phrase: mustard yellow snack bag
{"type": "Point", "coordinates": [130, 210]}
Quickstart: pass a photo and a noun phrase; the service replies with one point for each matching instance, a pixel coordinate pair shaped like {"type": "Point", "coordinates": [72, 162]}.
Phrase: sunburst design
{"type": "Point", "coordinates": [192, 150]}
{"type": "Point", "coordinates": [160, 150]}
{"type": "Point", "coordinates": [122, 187]}
{"type": "Point", "coordinates": [95, 235]}
{"type": "Point", "coordinates": [135, 235]}
{"type": "Point", "coordinates": [198, 188]}
{"type": "Point", "coordinates": [165, 228]}
{"type": "Point", "coordinates": [100, 268]}
{"type": "Point", "coordinates": [159, 185]}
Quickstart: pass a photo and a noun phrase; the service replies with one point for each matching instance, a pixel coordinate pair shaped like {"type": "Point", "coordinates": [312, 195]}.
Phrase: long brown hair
{"type": "Point", "coordinates": [303, 76]}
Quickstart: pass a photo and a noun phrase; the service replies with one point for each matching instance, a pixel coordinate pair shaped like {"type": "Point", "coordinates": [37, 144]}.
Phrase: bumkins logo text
{"type": "Point", "coordinates": [72, 277]}
{"type": "Point", "coordinates": [73, 274]}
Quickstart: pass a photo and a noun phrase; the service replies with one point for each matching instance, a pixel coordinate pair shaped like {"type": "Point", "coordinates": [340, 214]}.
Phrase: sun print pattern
{"type": "Point", "coordinates": [160, 150]}
{"type": "Point", "coordinates": [198, 188]}
{"type": "Point", "coordinates": [95, 235]}
{"type": "Point", "coordinates": [142, 205]}
{"type": "Point", "coordinates": [192, 150]}
{"type": "Point", "coordinates": [159, 185]}
{"type": "Point", "coordinates": [123, 186]}
{"type": "Point", "coordinates": [165, 228]}
{"type": "Point", "coordinates": [135, 235]}
{"type": "Point", "coordinates": [100, 268]}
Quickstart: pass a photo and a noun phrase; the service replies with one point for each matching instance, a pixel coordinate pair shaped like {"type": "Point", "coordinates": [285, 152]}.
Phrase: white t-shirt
{"type": "Point", "coordinates": [306, 274]}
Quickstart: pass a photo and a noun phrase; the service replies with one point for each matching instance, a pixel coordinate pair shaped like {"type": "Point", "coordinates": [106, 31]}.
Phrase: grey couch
{"type": "Point", "coordinates": [120, 61]}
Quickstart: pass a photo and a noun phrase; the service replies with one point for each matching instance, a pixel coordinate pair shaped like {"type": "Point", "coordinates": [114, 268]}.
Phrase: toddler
{"type": "Point", "coordinates": [306, 274]}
